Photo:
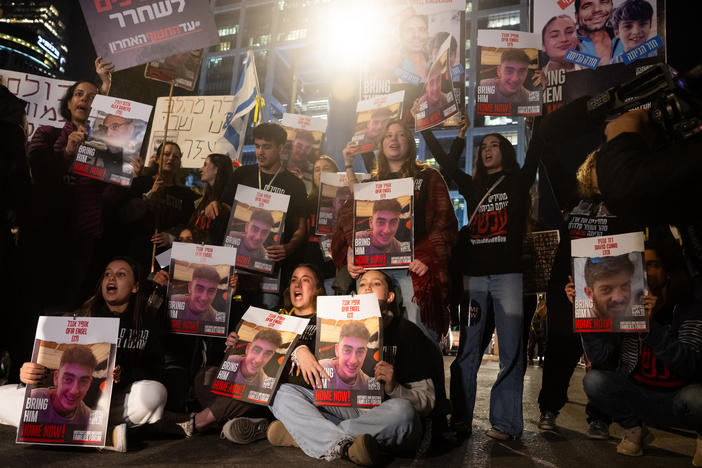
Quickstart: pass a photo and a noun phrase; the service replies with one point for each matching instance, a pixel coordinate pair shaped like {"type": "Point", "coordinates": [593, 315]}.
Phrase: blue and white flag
{"type": "Point", "coordinates": [246, 97]}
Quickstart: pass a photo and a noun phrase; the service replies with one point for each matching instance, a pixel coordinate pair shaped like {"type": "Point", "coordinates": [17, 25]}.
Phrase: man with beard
{"type": "Point", "coordinates": [608, 285]}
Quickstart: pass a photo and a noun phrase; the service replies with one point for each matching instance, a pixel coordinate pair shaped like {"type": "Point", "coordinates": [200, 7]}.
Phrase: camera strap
{"type": "Point", "coordinates": [487, 194]}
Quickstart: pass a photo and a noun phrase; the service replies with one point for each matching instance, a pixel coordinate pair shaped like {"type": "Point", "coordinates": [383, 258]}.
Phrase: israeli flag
{"type": "Point", "coordinates": [238, 118]}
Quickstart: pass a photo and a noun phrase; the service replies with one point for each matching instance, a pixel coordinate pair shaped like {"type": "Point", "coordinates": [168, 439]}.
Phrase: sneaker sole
{"type": "Point", "coordinates": [244, 431]}
{"type": "Point", "coordinates": [546, 427]}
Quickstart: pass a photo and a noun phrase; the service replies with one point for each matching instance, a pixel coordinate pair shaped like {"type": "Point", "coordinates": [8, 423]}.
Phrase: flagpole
{"type": "Point", "coordinates": [160, 169]}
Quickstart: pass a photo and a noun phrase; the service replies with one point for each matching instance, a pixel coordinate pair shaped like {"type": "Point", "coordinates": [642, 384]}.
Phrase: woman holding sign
{"type": "Point", "coordinates": [435, 228]}
{"type": "Point", "coordinates": [212, 210]}
{"type": "Point", "coordinates": [498, 199]}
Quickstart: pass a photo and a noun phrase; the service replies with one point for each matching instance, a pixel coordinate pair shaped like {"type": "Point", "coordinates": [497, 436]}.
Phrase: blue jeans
{"type": "Point", "coordinates": [506, 395]}
{"type": "Point", "coordinates": [403, 281]}
{"type": "Point", "coordinates": [630, 404]}
{"type": "Point", "coordinates": [321, 431]}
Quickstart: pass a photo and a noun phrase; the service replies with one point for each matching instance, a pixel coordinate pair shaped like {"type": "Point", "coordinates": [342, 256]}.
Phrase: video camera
{"type": "Point", "coordinates": [675, 105]}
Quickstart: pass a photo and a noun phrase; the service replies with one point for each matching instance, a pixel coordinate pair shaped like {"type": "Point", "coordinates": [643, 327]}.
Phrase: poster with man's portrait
{"type": "Point", "coordinates": [251, 369]}
{"type": "Point", "coordinates": [506, 74]}
{"type": "Point", "coordinates": [256, 222]}
{"type": "Point", "coordinates": [383, 227]}
{"type": "Point", "coordinates": [199, 293]}
{"type": "Point", "coordinates": [349, 345]}
{"type": "Point", "coordinates": [334, 192]}
{"type": "Point", "coordinates": [183, 70]}
{"type": "Point", "coordinates": [71, 405]}
{"type": "Point", "coordinates": [408, 43]}
{"type": "Point", "coordinates": [569, 31]}
{"type": "Point", "coordinates": [303, 145]}
{"type": "Point", "coordinates": [116, 129]}
{"type": "Point", "coordinates": [372, 115]}
{"type": "Point", "coordinates": [610, 283]}
{"type": "Point", "coordinates": [438, 102]}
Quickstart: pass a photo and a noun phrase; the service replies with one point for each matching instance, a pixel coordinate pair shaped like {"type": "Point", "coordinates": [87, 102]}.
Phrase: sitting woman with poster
{"type": "Point", "coordinates": [435, 229]}
{"type": "Point", "coordinates": [498, 197]}
{"type": "Point", "coordinates": [138, 397]}
{"type": "Point", "coordinates": [212, 211]}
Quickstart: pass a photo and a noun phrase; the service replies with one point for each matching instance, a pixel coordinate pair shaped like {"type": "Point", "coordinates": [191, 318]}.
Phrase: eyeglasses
{"type": "Point", "coordinates": [114, 127]}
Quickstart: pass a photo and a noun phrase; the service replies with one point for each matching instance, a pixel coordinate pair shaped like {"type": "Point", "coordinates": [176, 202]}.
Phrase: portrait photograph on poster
{"type": "Point", "coordinates": [610, 283]}
{"type": "Point", "coordinates": [303, 145]}
{"type": "Point", "coordinates": [383, 223]}
{"type": "Point", "coordinates": [71, 405]}
{"type": "Point", "coordinates": [371, 117]}
{"type": "Point", "coordinates": [349, 345]}
{"type": "Point", "coordinates": [333, 193]}
{"type": "Point", "coordinates": [199, 293]}
{"type": "Point", "coordinates": [183, 70]}
{"type": "Point", "coordinates": [251, 369]}
{"type": "Point", "coordinates": [256, 222]}
{"type": "Point", "coordinates": [116, 132]}
{"type": "Point", "coordinates": [438, 101]}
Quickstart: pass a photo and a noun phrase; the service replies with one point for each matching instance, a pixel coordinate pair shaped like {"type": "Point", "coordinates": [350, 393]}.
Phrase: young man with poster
{"type": "Point", "coordinates": [346, 369]}
{"type": "Point", "coordinates": [594, 33]}
{"type": "Point", "coordinates": [657, 375]}
{"type": "Point", "coordinates": [258, 353]}
{"type": "Point", "coordinates": [64, 404]}
{"type": "Point", "coordinates": [268, 174]}
{"type": "Point", "coordinates": [363, 436]}
{"type": "Point", "coordinates": [383, 226]}
{"type": "Point", "coordinates": [511, 75]}
{"type": "Point", "coordinates": [202, 290]}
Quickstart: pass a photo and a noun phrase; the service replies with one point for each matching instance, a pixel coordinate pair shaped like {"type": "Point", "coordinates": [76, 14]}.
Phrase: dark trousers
{"type": "Point", "coordinates": [630, 404]}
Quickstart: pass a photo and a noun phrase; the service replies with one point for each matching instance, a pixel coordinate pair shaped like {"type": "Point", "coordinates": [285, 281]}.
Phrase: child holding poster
{"type": "Point", "coordinates": [114, 140]}
{"type": "Point", "coordinates": [610, 283]}
{"type": "Point", "coordinates": [256, 222]}
{"type": "Point", "coordinates": [506, 87]}
{"type": "Point", "coordinates": [199, 292]}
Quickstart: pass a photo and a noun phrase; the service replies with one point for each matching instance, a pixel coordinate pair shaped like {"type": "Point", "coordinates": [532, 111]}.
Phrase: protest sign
{"type": "Point", "coordinates": [199, 294]}
{"type": "Point", "coordinates": [333, 193]}
{"type": "Point", "coordinates": [71, 406]}
{"type": "Point", "coordinates": [540, 248]}
{"type": "Point", "coordinates": [383, 223]}
{"type": "Point", "coordinates": [610, 283]}
{"type": "Point", "coordinates": [42, 94]}
{"type": "Point", "coordinates": [183, 70]}
{"type": "Point", "coordinates": [371, 117]}
{"type": "Point", "coordinates": [117, 128]}
{"type": "Point", "coordinates": [438, 103]}
{"type": "Point", "coordinates": [129, 33]}
{"type": "Point", "coordinates": [251, 369]}
{"type": "Point", "coordinates": [349, 345]}
{"type": "Point", "coordinates": [302, 147]}
{"type": "Point", "coordinates": [256, 222]}
{"type": "Point", "coordinates": [508, 60]}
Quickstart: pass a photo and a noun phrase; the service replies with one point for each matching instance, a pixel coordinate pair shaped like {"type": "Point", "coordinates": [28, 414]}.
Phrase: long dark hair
{"type": "Point", "coordinates": [63, 103]}
{"type": "Point", "coordinates": [97, 307]}
{"type": "Point", "coordinates": [411, 166]}
{"type": "Point", "coordinates": [223, 163]}
{"type": "Point", "coordinates": [509, 158]}
{"type": "Point", "coordinates": [320, 291]}
{"type": "Point", "coordinates": [315, 188]}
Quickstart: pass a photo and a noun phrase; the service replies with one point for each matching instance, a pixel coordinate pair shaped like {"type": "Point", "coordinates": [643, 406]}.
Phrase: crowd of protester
{"type": "Point", "coordinates": [81, 232]}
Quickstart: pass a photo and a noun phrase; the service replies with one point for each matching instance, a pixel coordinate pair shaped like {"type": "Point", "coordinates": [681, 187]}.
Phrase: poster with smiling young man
{"type": "Point", "coordinates": [438, 103]}
{"type": "Point", "coordinates": [71, 405]}
{"type": "Point", "coordinates": [199, 293]}
{"type": "Point", "coordinates": [252, 367]}
{"type": "Point", "coordinates": [383, 233]}
{"type": "Point", "coordinates": [508, 60]}
{"type": "Point", "coordinates": [349, 345]}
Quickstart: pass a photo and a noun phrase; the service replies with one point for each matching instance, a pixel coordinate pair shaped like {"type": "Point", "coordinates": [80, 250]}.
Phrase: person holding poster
{"type": "Point", "coordinates": [656, 380]}
{"type": "Point", "coordinates": [409, 377]}
{"type": "Point", "coordinates": [212, 212]}
{"type": "Point", "coordinates": [270, 175]}
{"type": "Point", "coordinates": [589, 217]}
{"type": "Point", "coordinates": [435, 106]}
{"type": "Point", "coordinates": [435, 229]}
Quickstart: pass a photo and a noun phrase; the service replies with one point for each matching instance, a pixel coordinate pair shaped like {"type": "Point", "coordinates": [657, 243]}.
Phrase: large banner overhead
{"type": "Point", "coordinates": [131, 32]}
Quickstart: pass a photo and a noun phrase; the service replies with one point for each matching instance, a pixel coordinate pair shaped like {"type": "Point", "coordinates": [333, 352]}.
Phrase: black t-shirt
{"type": "Point", "coordinates": [415, 357]}
{"type": "Point", "coordinates": [286, 183]}
{"type": "Point", "coordinates": [170, 207]}
{"type": "Point", "coordinates": [312, 251]}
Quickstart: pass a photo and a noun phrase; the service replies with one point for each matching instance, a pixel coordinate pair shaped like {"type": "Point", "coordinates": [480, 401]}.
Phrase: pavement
{"type": "Point", "coordinates": [566, 447]}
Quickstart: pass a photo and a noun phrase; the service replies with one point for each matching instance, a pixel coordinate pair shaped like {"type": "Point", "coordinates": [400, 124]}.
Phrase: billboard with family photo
{"type": "Point", "coordinates": [572, 66]}
{"type": "Point", "coordinates": [371, 117]}
{"type": "Point", "coordinates": [256, 222]}
{"type": "Point", "coordinates": [303, 144]}
{"type": "Point", "coordinates": [71, 405]}
{"type": "Point", "coordinates": [383, 223]}
{"type": "Point", "coordinates": [116, 131]}
{"type": "Point", "coordinates": [251, 369]}
{"type": "Point", "coordinates": [610, 283]}
{"type": "Point", "coordinates": [408, 43]}
{"type": "Point", "coordinates": [506, 74]}
{"type": "Point", "coordinates": [334, 191]}
{"type": "Point", "coordinates": [199, 294]}
{"type": "Point", "coordinates": [349, 345]}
